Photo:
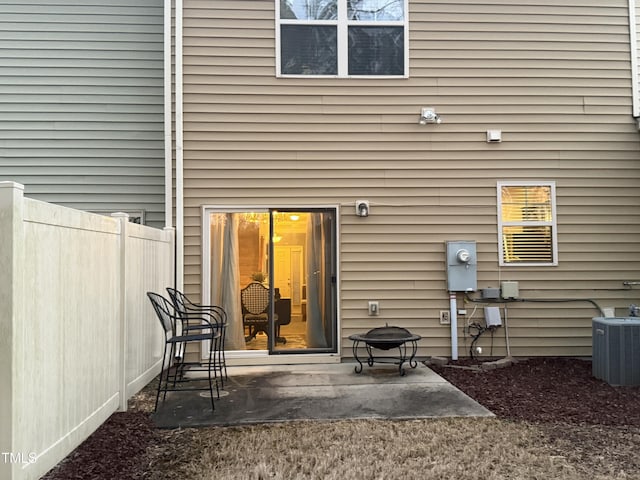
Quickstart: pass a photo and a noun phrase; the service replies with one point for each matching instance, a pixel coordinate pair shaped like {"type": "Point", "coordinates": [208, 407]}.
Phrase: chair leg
{"type": "Point", "coordinates": [164, 359]}
{"type": "Point", "coordinates": [181, 365]}
{"type": "Point", "coordinates": [172, 352]}
{"type": "Point", "coordinates": [211, 380]}
{"type": "Point", "coordinates": [217, 361]}
{"type": "Point", "coordinates": [253, 331]}
{"type": "Point", "coordinates": [222, 353]}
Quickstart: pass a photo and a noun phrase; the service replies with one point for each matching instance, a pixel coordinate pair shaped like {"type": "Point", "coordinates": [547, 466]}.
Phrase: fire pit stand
{"type": "Point", "coordinates": [387, 338]}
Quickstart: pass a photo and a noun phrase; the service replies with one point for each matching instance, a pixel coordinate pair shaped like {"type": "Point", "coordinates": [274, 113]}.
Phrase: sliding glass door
{"type": "Point", "coordinates": [274, 273]}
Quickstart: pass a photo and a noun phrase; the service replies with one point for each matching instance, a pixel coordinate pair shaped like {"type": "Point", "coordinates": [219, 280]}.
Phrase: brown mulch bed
{"type": "Point", "coordinates": [585, 419]}
{"type": "Point", "coordinates": [548, 390]}
{"type": "Point", "coordinates": [117, 450]}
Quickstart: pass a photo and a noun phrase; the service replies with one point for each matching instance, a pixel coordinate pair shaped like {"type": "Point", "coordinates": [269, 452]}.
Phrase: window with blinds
{"type": "Point", "coordinates": [527, 223]}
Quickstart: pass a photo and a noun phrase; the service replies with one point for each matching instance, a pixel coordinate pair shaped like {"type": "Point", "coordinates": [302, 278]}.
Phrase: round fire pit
{"type": "Point", "coordinates": [386, 338]}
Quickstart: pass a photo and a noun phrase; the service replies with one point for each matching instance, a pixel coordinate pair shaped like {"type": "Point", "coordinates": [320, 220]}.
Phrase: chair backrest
{"type": "Point", "coordinates": [255, 298]}
{"type": "Point", "coordinates": [162, 307]}
{"type": "Point", "coordinates": [182, 305]}
{"type": "Point", "coordinates": [178, 299]}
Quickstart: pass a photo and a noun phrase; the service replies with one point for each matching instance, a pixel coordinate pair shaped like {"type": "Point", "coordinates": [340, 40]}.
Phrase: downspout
{"type": "Point", "coordinates": [635, 74]}
{"type": "Point", "coordinates": [168, 153]}
{"type": "Point", "coordinates": [179, 153]}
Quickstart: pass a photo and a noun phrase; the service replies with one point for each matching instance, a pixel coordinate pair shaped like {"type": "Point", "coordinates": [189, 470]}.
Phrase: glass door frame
{"type": "Point", "coordinates": [272, 352]}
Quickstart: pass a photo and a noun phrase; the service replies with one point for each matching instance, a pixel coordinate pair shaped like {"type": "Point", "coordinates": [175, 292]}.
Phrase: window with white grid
{"type": "Point", "coordinates": [342, 38]}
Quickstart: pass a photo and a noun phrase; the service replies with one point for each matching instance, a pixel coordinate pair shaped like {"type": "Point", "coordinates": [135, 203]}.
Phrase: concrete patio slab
{"type": "Point", "coordinates": [254, 395]}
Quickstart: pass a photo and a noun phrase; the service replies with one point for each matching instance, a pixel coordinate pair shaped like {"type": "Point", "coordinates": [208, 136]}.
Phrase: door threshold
{"type": "Point", "coordinates": [262, 357]}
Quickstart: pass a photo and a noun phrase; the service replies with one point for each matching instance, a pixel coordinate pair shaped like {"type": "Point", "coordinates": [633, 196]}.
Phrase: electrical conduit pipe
{"type": "Point", "coordinates": [453, 316]}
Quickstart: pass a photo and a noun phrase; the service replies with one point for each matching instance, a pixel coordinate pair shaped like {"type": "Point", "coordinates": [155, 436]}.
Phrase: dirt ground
{"type": "Point", "coordinates": [554, 420]}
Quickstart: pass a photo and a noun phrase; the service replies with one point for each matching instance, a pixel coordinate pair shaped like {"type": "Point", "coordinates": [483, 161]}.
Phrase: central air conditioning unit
{"type": "Point", "coordinates": [616, 350]}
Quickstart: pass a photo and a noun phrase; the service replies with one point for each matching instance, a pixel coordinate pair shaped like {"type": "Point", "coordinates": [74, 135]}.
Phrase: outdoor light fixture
{"type": "Point", "coordinates": [362, 208]}
{"type": "Point", "coordinates": [429, 115]}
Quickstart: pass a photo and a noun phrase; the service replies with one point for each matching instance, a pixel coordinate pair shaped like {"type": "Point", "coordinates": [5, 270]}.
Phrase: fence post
{"type": "Point", "coordinates": [123, 218]}
{"type": "Point", "coordinates": [11, 258]}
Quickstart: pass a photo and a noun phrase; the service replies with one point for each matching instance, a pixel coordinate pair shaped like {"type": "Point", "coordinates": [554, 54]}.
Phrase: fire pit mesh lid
{"type": "Point", "coordinates": [388, 332]}
{"type": "Point", "coordinates": [386, 338]}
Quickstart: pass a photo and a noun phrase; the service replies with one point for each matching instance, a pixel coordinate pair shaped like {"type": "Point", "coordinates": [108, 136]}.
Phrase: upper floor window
{"type": "Point", "coordinates": [342, 38]}
{"type": "Point", "coordinates": [527, 223]}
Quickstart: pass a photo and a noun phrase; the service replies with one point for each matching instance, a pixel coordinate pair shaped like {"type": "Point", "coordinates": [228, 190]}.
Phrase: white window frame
{"type": "Point", "coordinates": [553, 224]}
{"type": "Point", "coordinates": [343, 25]}
{"type": "Point", "coordinates": [263, 357]}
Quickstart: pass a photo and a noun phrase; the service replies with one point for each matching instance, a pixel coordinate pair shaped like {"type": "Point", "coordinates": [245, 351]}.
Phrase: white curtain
{"type": "Point", "coordinates": [225, 275]}
{"type": "Point", "coordinates": [316, 271]}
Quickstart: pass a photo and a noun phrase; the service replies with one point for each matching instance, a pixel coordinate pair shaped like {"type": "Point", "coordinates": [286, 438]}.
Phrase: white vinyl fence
{"type": "Point", "coordinates": [78, 335]}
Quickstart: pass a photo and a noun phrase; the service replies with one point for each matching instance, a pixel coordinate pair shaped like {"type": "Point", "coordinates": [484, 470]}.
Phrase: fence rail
{"type": "Point", "coordinates": [77, 335]}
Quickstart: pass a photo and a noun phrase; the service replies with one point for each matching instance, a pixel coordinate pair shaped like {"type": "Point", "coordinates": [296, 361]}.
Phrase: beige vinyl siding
{"type": "Point", "coordinates": [553, 76]}
{"type": "Point", "coordinates": [81, 96]}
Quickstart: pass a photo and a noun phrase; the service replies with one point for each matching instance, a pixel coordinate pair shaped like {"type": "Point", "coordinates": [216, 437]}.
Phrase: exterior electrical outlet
{"type": "Point", "coordinates": [374, 308]}
{"type": "Point", "coordinates": [445, 318]}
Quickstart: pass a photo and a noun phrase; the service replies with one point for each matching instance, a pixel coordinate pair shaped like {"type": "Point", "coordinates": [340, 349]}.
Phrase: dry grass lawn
{"type": "Point", "coordinates": [464, 449]}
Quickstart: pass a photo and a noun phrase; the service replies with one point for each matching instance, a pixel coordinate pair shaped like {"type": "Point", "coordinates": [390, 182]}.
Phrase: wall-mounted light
{"type": "Point", "coordinates": [362, 208]}
{"type": "Point", "coordinates": [429, 115]}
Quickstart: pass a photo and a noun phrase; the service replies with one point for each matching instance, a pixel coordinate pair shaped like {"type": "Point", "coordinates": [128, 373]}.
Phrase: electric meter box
{"type": "Point", "coordinates": [462, 266]}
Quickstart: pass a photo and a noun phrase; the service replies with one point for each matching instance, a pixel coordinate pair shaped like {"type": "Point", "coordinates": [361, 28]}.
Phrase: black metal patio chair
{"type": "Point", "coordinates": [178, 334]}
{"type": "Point", "coordinates": [218, 318]}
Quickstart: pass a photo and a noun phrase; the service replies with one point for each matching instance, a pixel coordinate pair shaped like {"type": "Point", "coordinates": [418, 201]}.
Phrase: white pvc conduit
{"type": "Point", "coordinates": [453, 316]}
